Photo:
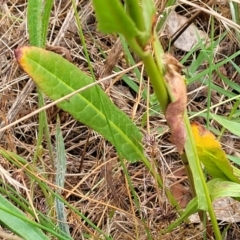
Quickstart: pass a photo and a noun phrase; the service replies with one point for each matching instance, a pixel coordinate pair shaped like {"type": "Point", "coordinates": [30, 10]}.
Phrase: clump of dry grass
{"type": "Point", "coordinates": [95, 181]}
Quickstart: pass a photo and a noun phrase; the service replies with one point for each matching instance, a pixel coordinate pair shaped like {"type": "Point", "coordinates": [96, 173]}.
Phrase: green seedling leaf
{"type": "Point", "coordinates": [113, 18]}
{"type": "Point", "coordinates": [231, 126]}
{"type": "Point", "coordinates": [57, 78]}
{"type": "Point", "coordinates": [221, 188]}
{"type": "Point", "coordinates": [21, 226]}
{"type": "Point", "coordinates": [211, 154]}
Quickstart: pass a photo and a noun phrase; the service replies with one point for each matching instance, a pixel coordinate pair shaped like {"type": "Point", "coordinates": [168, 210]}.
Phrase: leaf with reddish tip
{"type": "Point", "coordinates": [57, 78]}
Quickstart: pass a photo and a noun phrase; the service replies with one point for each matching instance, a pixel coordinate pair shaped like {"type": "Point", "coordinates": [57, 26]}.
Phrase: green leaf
{"type": "Point", "coordinates": [34, 20]}
{"type": "Point", "coordinates": [57, 78]}
{"type": "Point", "coordinates": [45, 19]}
{"type": "Point", "coordinates": [193, 165]}
{"type": "Point", "coordinates": [60, 179]}
{"type": "Point", "coordinates": [60, 157]}
{"type": "Point", "coordinates": [113, 18]}
{"type": "Point", "coordinates": [20, 226]}
{"type": "Point", "coordinates": [148, 15]}
{"type": "Point", "coordinates": [38, 14]}
{"type": "Point", "coordinates": [221, 188]}
{"type": "Point", "coordinates": [211, 154]}
{"type": "Point", "coordinates": [231, 126]}
{"type": "Point", "coordinates": [234, 159]}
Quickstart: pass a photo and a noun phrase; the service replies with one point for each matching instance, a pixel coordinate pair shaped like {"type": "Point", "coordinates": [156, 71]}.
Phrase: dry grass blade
{"type": "Point", "coordinates": [6, 178]}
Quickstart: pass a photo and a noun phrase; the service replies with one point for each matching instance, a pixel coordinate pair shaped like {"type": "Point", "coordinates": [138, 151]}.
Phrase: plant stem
{"type": "Point", "coordinates": [157, 81]}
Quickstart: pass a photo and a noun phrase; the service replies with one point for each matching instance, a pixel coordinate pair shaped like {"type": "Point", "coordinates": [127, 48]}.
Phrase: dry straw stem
{"type": "Point", "coordinates": [213, 13]}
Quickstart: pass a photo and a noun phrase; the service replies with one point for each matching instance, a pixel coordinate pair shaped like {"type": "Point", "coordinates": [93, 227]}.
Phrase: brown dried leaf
{"type": "Point", "coordinates": [61, 51]}
{"type": "Point", "coordinates": [190, 37]}
{"type": "Point", "coordinates": [178, 94]}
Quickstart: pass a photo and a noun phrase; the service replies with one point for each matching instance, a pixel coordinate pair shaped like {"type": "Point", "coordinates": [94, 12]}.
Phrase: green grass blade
{"type": "Point", "coordinates": [45, 19]}
{"type": "Point", "coordinates": [60, 157]}
{"type": "Point", "coordinates": [215, 67]}
{"type": "Point", "coordinates": [230, 125]}
{"type": "Point", "coordinates": [34, 22]}
{"type": "Point", "coordinates": [18, 225]}
{"type": "Point", "coordinates": [57, 78]}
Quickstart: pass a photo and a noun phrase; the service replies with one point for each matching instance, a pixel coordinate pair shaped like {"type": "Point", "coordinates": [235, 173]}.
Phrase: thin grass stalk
{"type": "Point", "coordinates": [135, 200]}
{"type": "Point", "coordinates": [210, 75]}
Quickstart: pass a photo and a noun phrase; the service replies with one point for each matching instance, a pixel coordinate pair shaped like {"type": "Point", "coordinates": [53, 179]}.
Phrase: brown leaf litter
{"type": "Point", "coordinates": [178, 94]}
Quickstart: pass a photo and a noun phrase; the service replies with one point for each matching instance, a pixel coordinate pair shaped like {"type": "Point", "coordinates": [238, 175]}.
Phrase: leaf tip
{"type": "Point", "coordinates": [18, 53]}
{"type": "Point", "coordinates": [21, 52]}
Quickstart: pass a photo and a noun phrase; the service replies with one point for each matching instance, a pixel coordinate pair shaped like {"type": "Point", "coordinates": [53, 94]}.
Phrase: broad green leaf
{"type": "Point", "coordinates": [232, 126]}
{"type": "Point", "coordinates": [221, 188]}
{"type": "Point", "coordinates": [211, 154]}
{"type": "Point", "coordinates": [113, 18]}
{"type": "Point", "coordinates": [20, 226]}
{"type": "Point", "coordinates": [57, 78]}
